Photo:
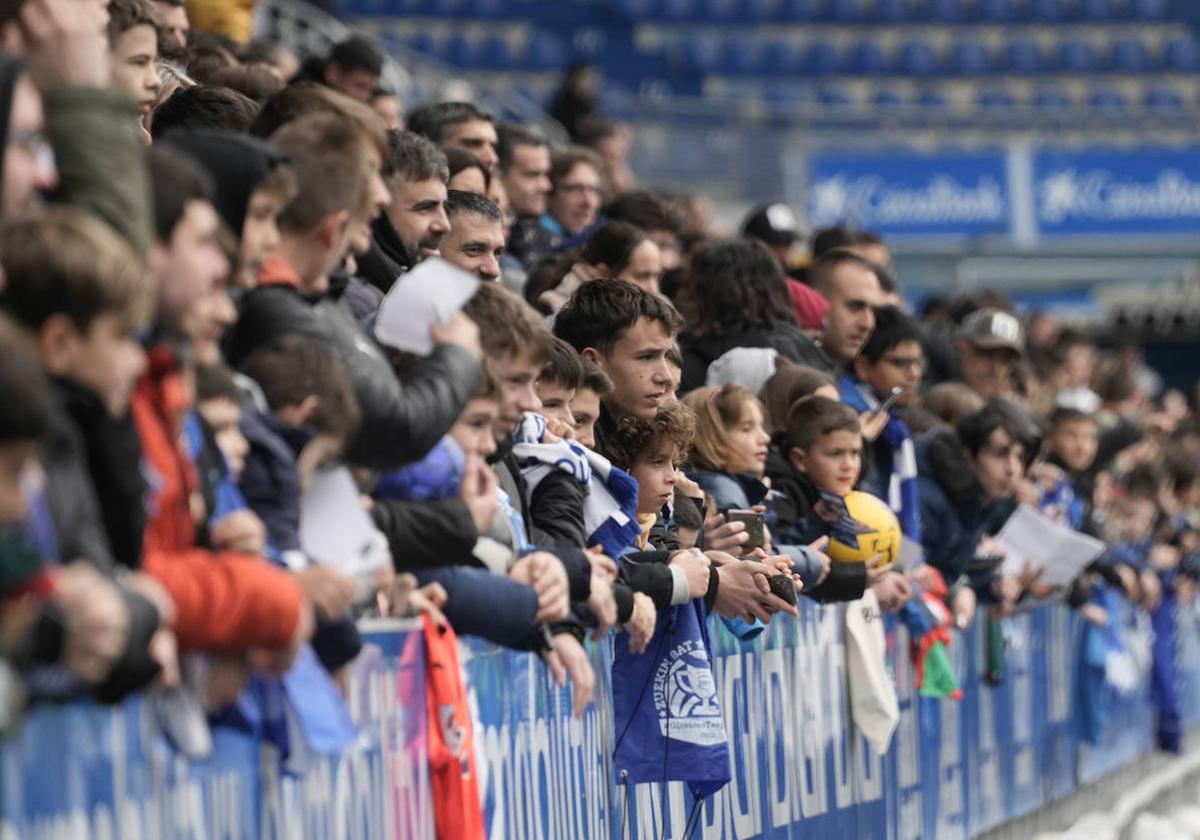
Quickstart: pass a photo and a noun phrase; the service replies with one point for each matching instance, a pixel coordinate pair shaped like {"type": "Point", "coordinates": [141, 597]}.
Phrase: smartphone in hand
{"type": "Point", "coordinates": [755, 523]}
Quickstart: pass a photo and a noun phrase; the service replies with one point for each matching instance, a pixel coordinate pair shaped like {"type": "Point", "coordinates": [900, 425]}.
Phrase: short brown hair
{"type": "Point", "coordinates": [951, 402]}
{"type": "Point", "coordinates": [634, 435]}
{"type": "Point", "coordinates": [789, 383]}
{"type": "Point", "coordinates": [292, 368]}
{"type": "Point", "coordinates": [307, 98]}
{"type": "Point", "coordinates": [564, 366]}
{"type": "Point", "coordinates": [123, 15]}
{"type": "Point", "coordinates": [507, 325]}
{"type": "Point", "coordinates": [252, 80]}
{"type": "Point", "coordinates": [811, 418]}
{"type": "Point", "coordinates": [717, 409]}
{"type": "Point", "coordinates": [330, 165]}
{"type": "Point", "coordinates": [564, 160]}
{"type": "Point", "coordinates": [62, 260]}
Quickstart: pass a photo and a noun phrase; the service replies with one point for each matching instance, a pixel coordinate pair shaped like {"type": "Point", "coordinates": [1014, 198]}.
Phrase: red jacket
{"type": "Point", "coordinates": [223, 600]}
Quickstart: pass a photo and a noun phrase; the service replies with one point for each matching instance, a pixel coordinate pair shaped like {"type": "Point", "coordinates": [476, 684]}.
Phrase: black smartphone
{"type": "Point", "coordinates": [889, 402]}
{"type": "Point", "coordinates": [755, 523]}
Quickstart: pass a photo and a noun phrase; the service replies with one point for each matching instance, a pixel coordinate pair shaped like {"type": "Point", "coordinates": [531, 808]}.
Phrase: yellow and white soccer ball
{"type": "Point", "coordinates": [879, 531]}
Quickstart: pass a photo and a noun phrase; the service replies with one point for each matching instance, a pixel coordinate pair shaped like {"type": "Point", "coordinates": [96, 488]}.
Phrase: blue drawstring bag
{"type": "Point", "coordinates": [665, 711]}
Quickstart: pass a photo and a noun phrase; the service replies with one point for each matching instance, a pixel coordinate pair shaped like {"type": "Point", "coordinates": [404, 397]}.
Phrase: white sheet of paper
{"type": "Point", "coordinates": [430, 293]}
{"type": "Point", "coordinates": [335, 529]}
{"type": "Point", "coordinates": [1030, 536]}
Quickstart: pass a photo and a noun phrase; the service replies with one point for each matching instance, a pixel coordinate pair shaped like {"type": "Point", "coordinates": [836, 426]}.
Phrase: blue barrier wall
{"type": "Point", "coordinates": [954, 769]}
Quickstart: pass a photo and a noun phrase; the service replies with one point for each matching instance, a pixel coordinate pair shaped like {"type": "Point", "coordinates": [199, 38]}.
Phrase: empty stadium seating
{"type": "Point", "coordinates": [1023, 58]}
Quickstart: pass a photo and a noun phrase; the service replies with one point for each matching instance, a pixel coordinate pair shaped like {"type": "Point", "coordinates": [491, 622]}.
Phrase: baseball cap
{"type": "Point", "coordinates": [774, 224]}
{"type": "Point", "coordinates": [993, 329]}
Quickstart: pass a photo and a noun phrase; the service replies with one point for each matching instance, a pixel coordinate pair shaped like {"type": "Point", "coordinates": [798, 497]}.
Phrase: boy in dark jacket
{"type": "Point", "coordinates": [824, 458]}
{"type": "Point", "coordinates": [967, 479]}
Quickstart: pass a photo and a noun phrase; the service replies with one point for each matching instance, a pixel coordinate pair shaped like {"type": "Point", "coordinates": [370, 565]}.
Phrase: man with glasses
{"type": "Point", "coordinates": [574, 202]}
{"type": "Point", "coordinates": [891, 358]}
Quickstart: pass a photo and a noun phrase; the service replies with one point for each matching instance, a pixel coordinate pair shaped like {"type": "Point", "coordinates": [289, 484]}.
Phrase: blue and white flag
{"type": "Point", "coordinates": [665, 707]}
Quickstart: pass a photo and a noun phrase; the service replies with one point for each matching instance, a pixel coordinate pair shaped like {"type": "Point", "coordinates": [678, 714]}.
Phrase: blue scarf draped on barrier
{"type": "Point", "coordinates": [666, 716]}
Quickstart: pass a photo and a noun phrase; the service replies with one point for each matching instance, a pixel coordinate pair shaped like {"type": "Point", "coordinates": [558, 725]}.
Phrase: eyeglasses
{"type": "Point", "coordinates": [579, 189]}
{"type": "Point", "coordinates": [36, 144]}
{"type": "Point", "coordinates": [906, 363]}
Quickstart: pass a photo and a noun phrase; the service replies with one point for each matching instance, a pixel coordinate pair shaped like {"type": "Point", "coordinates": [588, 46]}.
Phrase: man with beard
{"type": "Point", "coordinates": [414, 222]}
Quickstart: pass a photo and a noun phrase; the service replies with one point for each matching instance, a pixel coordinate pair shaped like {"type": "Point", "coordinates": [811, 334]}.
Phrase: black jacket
{"type": "Point", "coordinates": [80, 432]}
{"type": "Point", "coordinates": [89, 450]}
{"type": "Point", "coordinates": [701, 350]}
{"type": "Point", "coordinates": [399, 424]}
{"type": "Point", "coordinates": [530, 241]}
{"type": "Point", "coordinates": [70, 492]}
{"type": "Point", "coordinates": [797, 524]}
{"type": "Point", "coordinates": [387, 258]}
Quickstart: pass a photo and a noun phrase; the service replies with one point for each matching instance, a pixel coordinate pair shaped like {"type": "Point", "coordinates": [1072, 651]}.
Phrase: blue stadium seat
{"type": "Point", "coordinates": [843, 11]}
{"type": "Point", "coordinates": [1162, 99]}
{"type": "Point", "coordinates": [945, 11]}
{"type": "Point", "coordinates": [969, 58]}
{"type": "Point", "coordinates": [886, 98]}
{"type": "Point", "coordinates": [635, 9]}
{"type": "Point", "coordinates": [932, 100]}
{"type": "Point", "coordinates": [798, 11]}
{"type": "Point", "coordinates": [780, 58]}
{"type": "Point", "coordinates": [1107, 99]}
{"type": "Point", "coordinates": [1130, 55]}
{"type": "Point", "coordinates": [832, 96]}
{"type": "Point", "coordinates": [785, 95]}
{"type": "Point", "coordinates": [495, 53]}
{"type": "Point", "coordinates": [1077, 56]}
{"type": "Point", "coordinates": [754, 11]}
{"type": "Point", "coordinates": [486, 9]}
{"type": "Point", "coordinates": [740, 54]}
{"type": "Point", "coordinates": [917, 58]}
{"type": "Point", "coordinates": [424, 42]}
{"type": "Point", "coordinates": [1048, 11]}
{"type": "Point", "coordinates": [1097, 10]}
{"type": "Point", "coordinates": [678, 9]}
{"type": "Point", "coordinates": [995, 11]}
{"type": "Point", "coordinates": [702, 53]}
{"type": "Point", "coordinates": [1023, 56]}
{"type": "Point", "coordinates": [443, 8]}
{"type": "Point", "coordinates": [1052, 99]}
{"type": "Point", "coordinates": [459, 51]}
{"type": "Point", "coordinates": [1181, 54]}
{"type": "Point", "coordinates": [545, 51]}
{"type": "Point", "coordinates": [894, 11]}
{"type": "Point", "coordinates": [1150, 9]}
{"type": "Point", "coordinates": [865, 58]}
{"type": "Point", "coordinates": [996, 99]}
{"type": "Point", "coordinates": [820, 59]}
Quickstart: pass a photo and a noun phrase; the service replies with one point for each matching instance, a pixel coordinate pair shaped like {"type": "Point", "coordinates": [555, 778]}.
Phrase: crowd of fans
{"type": "Point", "coordinates": [197, 237]}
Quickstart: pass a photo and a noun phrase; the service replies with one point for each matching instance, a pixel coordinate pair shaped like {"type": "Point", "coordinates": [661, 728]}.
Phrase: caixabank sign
{"type": "Point", "coordinates": [1024, 193]}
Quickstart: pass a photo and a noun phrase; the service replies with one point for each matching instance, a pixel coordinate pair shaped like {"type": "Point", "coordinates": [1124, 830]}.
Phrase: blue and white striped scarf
{"type": "Point", "coordinates": [611, 494]}
{"type": "Point", "coordinates": [901, 485]}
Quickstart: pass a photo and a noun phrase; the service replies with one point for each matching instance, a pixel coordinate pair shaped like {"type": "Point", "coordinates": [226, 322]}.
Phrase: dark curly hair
{"type": "Point", "coordinates": [634, 435]}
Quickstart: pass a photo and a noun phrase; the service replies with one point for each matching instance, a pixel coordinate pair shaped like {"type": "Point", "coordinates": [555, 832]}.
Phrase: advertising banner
{"type": "Point", "coordinates": [906, 194]}
{"type": "Point", "coordinates": [1141, 192]}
